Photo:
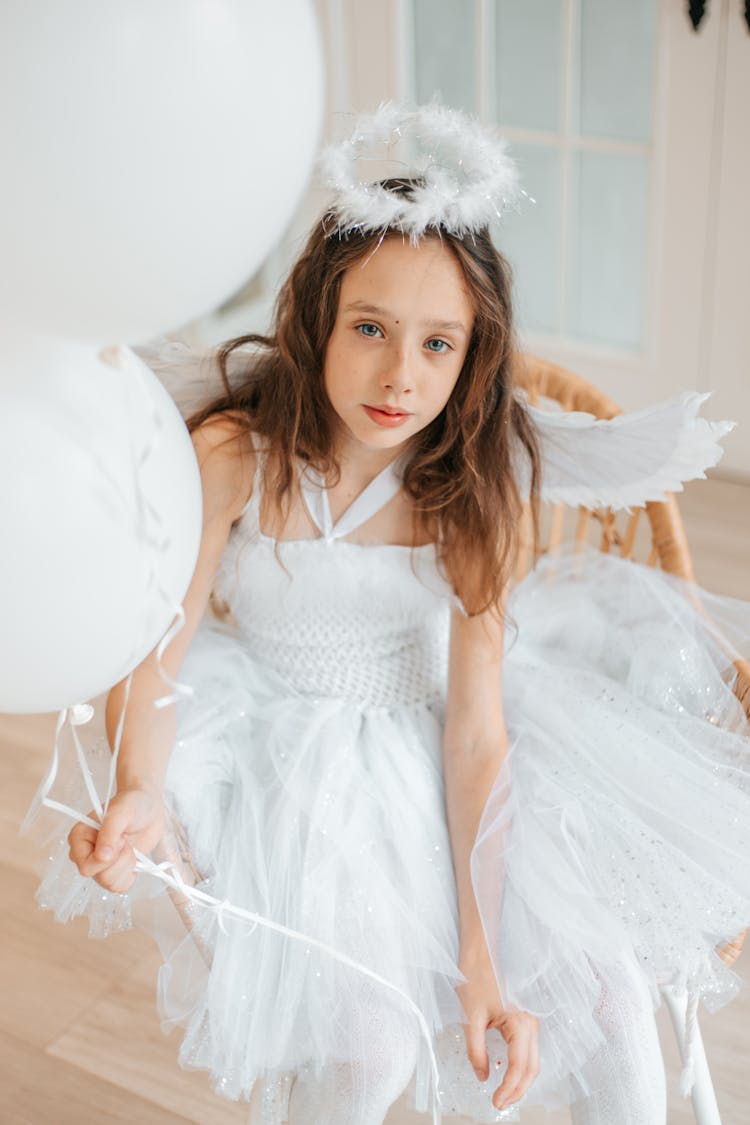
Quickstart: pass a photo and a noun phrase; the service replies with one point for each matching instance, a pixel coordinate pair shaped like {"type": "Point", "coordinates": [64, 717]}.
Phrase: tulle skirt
{"type": "Point", "coordinates": [616, 834]}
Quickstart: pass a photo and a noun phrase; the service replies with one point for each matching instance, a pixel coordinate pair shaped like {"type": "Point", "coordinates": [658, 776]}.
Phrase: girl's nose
{"type": "Point", "coordinates": [396, 375]}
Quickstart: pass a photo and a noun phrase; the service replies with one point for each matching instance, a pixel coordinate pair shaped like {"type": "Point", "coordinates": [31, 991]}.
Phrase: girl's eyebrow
{"type": "Point", "coordinates": [376, 310]}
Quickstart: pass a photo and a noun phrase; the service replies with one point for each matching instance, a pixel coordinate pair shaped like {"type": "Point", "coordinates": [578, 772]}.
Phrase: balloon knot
{"type": "Point", "coordinates": [114, 355]}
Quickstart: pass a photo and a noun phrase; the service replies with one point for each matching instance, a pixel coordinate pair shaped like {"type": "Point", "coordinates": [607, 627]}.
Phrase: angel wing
{"type": "Point", "coordinates": [626, 460]}
{"type": "Point", "coordinates": [192, 377]}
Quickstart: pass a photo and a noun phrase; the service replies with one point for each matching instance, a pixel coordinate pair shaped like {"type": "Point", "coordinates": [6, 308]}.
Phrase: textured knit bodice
{"type": "Point", "coordinates": [336, 618]}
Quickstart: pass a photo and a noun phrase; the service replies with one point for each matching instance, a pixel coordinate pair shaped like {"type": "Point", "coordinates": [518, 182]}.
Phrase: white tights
{"type": "Point", "coordinates": [626, 1077]}
{"type": "Point", "coordinates": [360, 1092]}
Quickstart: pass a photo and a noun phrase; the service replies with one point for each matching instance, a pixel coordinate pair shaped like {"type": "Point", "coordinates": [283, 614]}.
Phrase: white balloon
{"type": "Point", "coordinates": [101, 519]}
{"type": "Point", "coordinates": [153, 152]}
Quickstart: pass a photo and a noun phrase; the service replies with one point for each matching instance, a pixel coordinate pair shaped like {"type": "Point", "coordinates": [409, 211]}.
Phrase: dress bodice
{"type": "Point", "coordinates": [336, 618]}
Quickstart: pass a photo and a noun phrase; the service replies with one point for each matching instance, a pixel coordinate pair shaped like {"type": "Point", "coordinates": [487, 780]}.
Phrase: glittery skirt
{"type": "Point", "coordinates": [615, 834]}
{"type": "Point", "coordinates": [326, 816]}
{"type": "Point", "coordinates": [618, 830]}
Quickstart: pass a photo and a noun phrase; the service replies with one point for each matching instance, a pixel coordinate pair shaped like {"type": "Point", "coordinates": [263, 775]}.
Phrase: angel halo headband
{"type": "Point", "coordinates": [465, 179]}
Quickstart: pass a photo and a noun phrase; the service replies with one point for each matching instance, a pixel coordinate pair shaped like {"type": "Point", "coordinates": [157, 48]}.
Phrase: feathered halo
{"type": "Point", "coordinates": [465, 178]}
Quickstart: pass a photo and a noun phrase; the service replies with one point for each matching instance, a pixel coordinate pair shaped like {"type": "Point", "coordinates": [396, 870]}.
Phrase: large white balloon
{"type": "Point", "coordinates": [153, 151]}
{"type": "Point", "coordinates": [100, 511]}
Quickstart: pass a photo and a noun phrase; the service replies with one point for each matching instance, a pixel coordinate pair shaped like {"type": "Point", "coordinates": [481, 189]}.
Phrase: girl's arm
{"type": "Point", "coordinates": [135, 814]}
{"type": "Point", "coordinates": [474, 747]}
{"type": "Point", "coordinates": [475, 744]}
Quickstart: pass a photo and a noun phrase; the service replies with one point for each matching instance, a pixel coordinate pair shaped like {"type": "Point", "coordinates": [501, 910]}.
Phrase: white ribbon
{"type": "Point", "coordinates": [149, 526]}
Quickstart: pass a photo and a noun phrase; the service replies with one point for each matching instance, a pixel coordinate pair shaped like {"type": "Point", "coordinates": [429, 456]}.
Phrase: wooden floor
{"type": "Point", "coordinates": [79, 1040]}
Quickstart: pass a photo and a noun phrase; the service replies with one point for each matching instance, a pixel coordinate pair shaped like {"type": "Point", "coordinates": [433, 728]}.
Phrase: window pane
{"type": "Point", "coordinates": [444, 52]}
{"type": "Point", "coordinates": [528, 63]}
{"type": "Point", "coordinates": [618, 46]}
{"type": "Point", "coordinates": [531, 240]}
{"type": "Point", "coordinates": [609, 272]}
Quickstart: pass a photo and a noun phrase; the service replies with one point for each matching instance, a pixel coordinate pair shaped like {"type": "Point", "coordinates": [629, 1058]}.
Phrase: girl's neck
{"type": "Point", "coordinates": [360, 464]}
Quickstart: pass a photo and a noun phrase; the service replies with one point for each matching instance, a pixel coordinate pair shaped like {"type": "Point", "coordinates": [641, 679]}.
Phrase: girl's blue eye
{"type": "Point", "coordinates": [437, 346]}
{"type": "Point", "coordinates": [369, 330]}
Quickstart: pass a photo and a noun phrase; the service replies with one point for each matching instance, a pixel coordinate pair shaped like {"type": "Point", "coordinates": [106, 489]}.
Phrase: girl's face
{"type": "Point", "coordinates": [402, 329]}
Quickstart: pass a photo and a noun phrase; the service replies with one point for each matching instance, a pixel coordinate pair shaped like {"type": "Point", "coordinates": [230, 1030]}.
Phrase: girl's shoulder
{"type": "Point", "coordinates": [226, 449]}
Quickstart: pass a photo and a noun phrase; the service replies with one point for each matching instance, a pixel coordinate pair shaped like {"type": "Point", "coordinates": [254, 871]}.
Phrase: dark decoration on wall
{"type": "Point", "coordinates": [696, 11]}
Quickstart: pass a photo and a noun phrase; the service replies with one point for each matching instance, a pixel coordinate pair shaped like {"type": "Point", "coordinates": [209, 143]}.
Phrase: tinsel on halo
{"type": "Point", "coordinates": [465, 177]}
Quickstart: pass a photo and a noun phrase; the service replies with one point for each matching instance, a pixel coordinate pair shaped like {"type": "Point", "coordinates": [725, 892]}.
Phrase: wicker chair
{"type": "Point", "coordinates": [656, 533]}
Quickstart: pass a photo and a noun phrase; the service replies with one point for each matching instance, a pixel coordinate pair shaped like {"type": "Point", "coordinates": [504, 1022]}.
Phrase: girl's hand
{"type": "Point", "coordinates": [483, 1008]}
{"type": "Point", "coordinates": [134, 819]}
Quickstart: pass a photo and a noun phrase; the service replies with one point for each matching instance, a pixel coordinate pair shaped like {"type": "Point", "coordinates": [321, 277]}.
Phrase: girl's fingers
{"type": "Point", "coordinates": [514, 1074]}
{"type": "Point", "coordinates": [97, 852]}
{"type": "Point", "coordinates": [531, 1072]}
{"type": "Point", "coordinates": [476, 1046]}
{"type": "Point", "coordinates": [82, 841]}
{"type": "Point", "coordinates": [110, 840]}
{"type": "Point", "coordinates": [92, 866]}
{"type": "Point", "coordinates": [120, 875]}
{"type": "Point", "coordinates": [523, 1065]}
{"type": "Point", "coordinates": [109, 843]}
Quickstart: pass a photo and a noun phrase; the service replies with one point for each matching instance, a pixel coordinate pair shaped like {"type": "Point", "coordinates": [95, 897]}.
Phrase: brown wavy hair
{"type": "Point", "coordinates": [459, 474]}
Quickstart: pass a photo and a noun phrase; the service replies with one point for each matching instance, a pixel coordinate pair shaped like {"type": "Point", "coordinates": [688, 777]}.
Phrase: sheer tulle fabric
{"type": "Point", "coordinates": [307, 776]}
{"type": "Point", "coordinates": [618, 825]}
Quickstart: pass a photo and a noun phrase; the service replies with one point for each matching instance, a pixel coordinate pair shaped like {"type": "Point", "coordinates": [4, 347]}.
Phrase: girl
{"type": "Point", "coordinates": [443, 842]}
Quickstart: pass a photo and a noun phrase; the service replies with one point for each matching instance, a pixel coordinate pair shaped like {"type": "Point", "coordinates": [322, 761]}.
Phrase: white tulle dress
{"type": "Point", "coordinates": [307, 777]}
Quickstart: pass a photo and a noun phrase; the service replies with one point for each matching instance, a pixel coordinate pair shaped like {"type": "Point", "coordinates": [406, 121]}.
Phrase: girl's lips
{"type": "Point", "coordinates": [385, 417]}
